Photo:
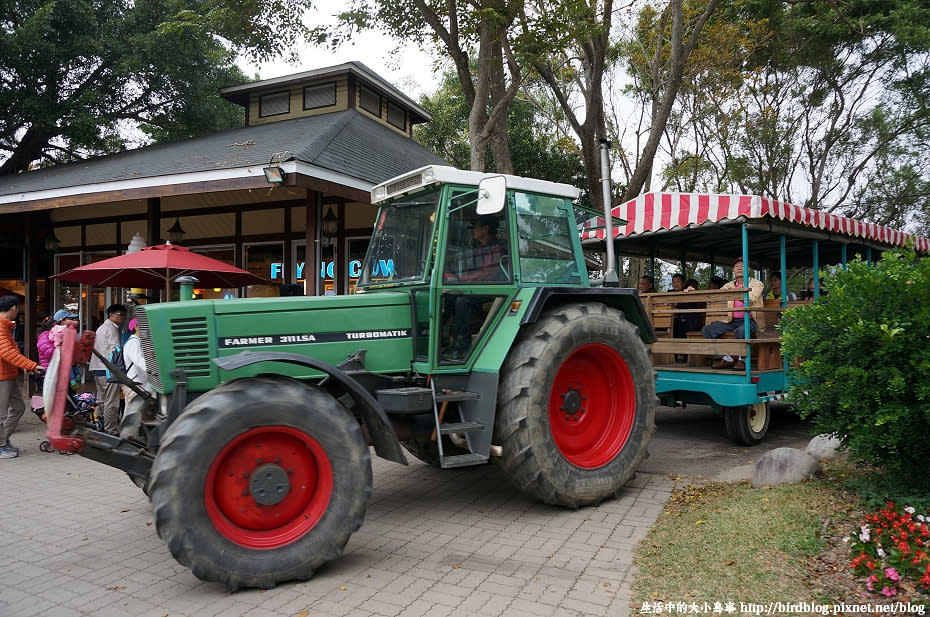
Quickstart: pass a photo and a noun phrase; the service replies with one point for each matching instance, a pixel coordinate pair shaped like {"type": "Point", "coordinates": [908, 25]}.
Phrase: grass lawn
{"type": "Point", "coordinates": [730, 542]}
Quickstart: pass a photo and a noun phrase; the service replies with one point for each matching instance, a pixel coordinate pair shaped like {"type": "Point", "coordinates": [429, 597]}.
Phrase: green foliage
{"type": "Point", "coordinates": [876, 487]}
{"type": "Point", "coordinates": [76, 77]}
{"type": "Point", "coordinates": [863, 359]}
{"type": "Point", "coordinates": [812, 102]}
{"type": "Point", "coordinates": [535, 151]}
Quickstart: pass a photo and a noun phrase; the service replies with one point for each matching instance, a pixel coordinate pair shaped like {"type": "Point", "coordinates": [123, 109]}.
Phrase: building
{"type": "Point", "coordinates": [325, 136]}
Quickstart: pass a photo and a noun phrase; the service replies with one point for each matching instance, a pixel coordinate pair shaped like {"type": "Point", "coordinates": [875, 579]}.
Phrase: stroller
{"type": "Point", "coordinates": [80, 408]}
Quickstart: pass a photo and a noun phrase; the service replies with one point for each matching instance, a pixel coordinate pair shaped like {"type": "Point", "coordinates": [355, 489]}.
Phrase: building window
{"type": "Point", "coordinates": [323, 95]}
{"type": "Point", "coordinates": [227, 254]}
{"type": "Point", "coordinates": [261, 259]}
{"type": "Point", "coordinates": [274, 104]}
{"type": "Point", "coordinates": [370, 101]}
{"type": "Point", "coordinates": [395, 116]}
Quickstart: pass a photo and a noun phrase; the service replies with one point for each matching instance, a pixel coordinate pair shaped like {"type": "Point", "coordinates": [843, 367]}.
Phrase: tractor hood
{"type": "Point", "coordinates": [187, 336]}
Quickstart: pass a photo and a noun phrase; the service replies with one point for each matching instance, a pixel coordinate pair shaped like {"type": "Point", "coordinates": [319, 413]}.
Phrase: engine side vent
{"type": "Point", "coordinates": [191, 344]}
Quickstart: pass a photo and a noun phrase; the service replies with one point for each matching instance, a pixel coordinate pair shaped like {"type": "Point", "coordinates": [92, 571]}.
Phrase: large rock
{"type": "Point", "coordinates": [826, 448]}
{"type": "Point", "coordinates": [784, 465]}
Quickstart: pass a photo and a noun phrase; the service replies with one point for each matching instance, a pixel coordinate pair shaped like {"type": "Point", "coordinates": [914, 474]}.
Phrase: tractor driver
{"type": "Point", "coordinates": [484, 263]}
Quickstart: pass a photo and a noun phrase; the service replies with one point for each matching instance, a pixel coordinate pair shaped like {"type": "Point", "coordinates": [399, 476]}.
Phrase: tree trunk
{"type": "Point", "coordinates": [29, 149]}
{"type": "Point", "coordinates": [677, 57]}
{"type": "Point", "coordinates": [499, 144]}
{"type": "Point", "coordinates": [478, 116]}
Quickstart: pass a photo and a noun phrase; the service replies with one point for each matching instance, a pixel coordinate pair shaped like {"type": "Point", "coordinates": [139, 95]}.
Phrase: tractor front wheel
{"type": "Point", "coordinates": [576, 406]}
{"type": "Point", "coordinates": [260, 481]}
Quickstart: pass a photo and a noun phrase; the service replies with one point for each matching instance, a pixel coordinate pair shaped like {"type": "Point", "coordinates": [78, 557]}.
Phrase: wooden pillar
{"type": "Point", "coordinates": [31, 256]}
{"type": "Point", "coordinates": [340, 269]}
{"type": "Point", "coordinates": [153, 222]}
{"type": "Point", "coordinates": [312, 264]}
{"type": "Point", "coordinates": [290, 272]}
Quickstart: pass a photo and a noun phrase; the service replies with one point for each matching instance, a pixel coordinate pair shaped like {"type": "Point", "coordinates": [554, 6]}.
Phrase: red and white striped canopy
{"type": "Point", "coordinates": [657, 211]}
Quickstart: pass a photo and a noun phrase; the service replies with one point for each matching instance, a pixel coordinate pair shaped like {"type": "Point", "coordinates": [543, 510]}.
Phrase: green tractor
{"type": "Point", "coordinates": [474, 336]}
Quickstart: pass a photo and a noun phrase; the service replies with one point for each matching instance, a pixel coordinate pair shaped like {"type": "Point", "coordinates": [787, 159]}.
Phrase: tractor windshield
{"type": "Point", "coordinates": [402, 240]}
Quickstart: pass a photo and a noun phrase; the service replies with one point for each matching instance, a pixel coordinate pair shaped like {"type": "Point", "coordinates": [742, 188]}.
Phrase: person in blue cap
{"type": "Point", "coordinates": [45, 343]}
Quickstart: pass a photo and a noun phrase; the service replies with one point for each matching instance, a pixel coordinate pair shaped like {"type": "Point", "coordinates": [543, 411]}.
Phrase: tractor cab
{"type": "Point", "coordinates": [463, 243]}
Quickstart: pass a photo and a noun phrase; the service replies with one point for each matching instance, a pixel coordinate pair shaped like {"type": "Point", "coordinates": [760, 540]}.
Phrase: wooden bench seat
{"type": "Point", "coordinates": [766, 352]}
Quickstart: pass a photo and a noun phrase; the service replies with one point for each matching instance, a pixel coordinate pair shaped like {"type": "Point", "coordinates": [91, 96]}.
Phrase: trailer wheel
{"type": "Point", "coordinates": [576, 405]}
{"type": "Point", "coordinates": [747, 424]}
{"type": "Point", "coordinates": [260, 481]}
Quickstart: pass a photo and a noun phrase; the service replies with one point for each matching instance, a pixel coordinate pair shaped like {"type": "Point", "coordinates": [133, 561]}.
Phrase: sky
{"type": "Point", "coordinates": [404, 66]}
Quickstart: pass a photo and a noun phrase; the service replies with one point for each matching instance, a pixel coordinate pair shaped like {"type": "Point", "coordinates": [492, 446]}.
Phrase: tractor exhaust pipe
{"type": "Point", "coordinates": [610, 275]}
{"type": "Point", "coordinates": [459, 440]}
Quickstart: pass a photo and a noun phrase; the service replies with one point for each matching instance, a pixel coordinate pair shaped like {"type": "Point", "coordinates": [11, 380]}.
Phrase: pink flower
{"type": "Point", "coordinates": [870, 584]}
{"type": "Point", "coordinates": [892, 574]}
{"type": "Point", "coordinates": [889, 592]}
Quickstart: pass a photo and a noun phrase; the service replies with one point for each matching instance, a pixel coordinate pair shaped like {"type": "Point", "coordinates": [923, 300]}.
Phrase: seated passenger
{"type": "Point", "coordinates": [775, 288]}
{"type": "Point", "coordinates": [647, 285]}
{"type": "Point", "coordinates": [736, 323]}
{"type": "Point", "coordinates": [682, 323]}
{"type": "Point", "coordinates": [808, 294]}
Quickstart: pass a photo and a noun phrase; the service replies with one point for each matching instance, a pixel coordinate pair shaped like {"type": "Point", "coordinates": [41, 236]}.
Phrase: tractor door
{"type": "Point", "coordinates": [477, 277]}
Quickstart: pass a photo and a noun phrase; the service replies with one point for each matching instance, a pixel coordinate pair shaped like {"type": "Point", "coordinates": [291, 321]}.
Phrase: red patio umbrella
{"type": "Point", "coordinates": [157, 266]}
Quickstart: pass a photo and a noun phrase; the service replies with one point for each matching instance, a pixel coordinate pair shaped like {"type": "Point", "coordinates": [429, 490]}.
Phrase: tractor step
{"type": "Point", "coordinates": [463, 460]}
{"type": "Point", "coordinates": [460, 395]}
{"type": "Point", "coordinates": [460, 427]}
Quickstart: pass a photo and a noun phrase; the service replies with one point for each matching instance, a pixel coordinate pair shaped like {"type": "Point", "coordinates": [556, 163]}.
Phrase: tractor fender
{"type": "Point", "coordinates": [382, 433]}
{"type": "Point", "coordinates": [623, 299]}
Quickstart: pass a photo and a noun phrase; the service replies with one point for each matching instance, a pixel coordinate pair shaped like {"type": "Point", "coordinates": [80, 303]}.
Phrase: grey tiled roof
{"type": "Point", "coordinates": [346, 142]}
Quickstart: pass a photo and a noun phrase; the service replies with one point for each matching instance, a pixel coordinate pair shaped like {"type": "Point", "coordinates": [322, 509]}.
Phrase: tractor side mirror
{"type": "Point", "coordinates": [492, 193]}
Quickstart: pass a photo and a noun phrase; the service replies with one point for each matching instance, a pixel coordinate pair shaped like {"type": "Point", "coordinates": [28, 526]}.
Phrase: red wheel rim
{"type": "Point", "coordinates": [591, 406]}
{"type": "Point", "coordinates": [292, 456]}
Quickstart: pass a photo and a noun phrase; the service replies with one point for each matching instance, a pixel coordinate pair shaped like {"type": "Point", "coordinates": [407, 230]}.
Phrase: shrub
{"type": "Point", "coordinates": [863, 353]}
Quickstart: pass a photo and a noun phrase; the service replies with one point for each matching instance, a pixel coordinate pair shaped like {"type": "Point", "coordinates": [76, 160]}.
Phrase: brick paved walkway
{"type": "Point", "coordinates": [78, 539]}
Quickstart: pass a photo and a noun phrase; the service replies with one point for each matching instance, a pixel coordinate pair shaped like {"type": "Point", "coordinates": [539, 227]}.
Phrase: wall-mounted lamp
{"type": "Point", "coordinates": [330, 224]}
{"type": "Point", "coordinates": [51, 241]}
{"type": "Point", "coordinates": [175, 233]}
{"type": "Point", "coordinates": [274, 174]}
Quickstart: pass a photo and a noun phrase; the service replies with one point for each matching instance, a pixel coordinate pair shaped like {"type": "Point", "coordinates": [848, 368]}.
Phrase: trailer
{"type": "Point", "coordinates": [710, 230]}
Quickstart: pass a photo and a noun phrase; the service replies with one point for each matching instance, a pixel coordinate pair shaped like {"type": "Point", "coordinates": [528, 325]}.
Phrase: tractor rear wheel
{"type": "Point", "coordinates": [260, 481]}
{"type": "Point", "coordinates": [576, 405]}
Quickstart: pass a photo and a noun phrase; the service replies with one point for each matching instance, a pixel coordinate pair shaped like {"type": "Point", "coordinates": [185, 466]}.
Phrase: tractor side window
{"type": "Point", "coordinates": [546, 229]}
{"type": "Point", "coordinates": [477, 246]}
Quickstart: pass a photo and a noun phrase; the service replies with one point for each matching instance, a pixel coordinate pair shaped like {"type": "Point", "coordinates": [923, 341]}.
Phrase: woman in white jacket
{"type": "Point", "coordinates": [135, 363]}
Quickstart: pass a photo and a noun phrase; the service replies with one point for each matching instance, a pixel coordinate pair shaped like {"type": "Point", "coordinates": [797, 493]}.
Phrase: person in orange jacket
{"type": "Point", "coordinates": [11, 361]}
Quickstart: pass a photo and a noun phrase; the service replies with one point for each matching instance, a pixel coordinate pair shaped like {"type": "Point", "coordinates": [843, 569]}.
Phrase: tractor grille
{"type": "Point", "coordinates": [148, 352]}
